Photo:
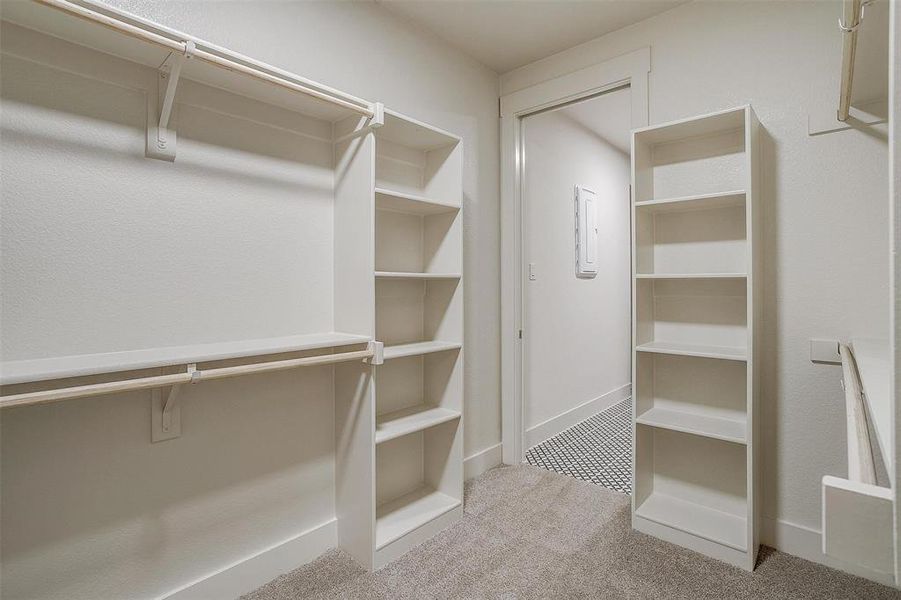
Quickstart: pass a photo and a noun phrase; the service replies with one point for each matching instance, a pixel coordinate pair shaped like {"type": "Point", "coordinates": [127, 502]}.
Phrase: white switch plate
{"type": "Point", "coordinates": [825, 351]}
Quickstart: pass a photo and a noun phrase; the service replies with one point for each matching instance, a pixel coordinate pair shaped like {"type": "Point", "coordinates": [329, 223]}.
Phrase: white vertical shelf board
{"type": "Point", "coordinates": [872, 358]}
{"type": "Point", "coordinates": [692, 522]}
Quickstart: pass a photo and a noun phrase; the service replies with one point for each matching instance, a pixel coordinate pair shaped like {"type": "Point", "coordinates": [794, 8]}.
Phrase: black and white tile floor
{"type": "Point", "coordinates": [599, 449]}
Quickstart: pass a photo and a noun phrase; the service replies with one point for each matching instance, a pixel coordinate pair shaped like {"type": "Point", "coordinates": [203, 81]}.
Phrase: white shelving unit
{"type": "Point", "coordinates": [397, 259]}
{"type": "Point", "coordinates": [419, 317]}
{"type": "Point", "coordinates": [695, 312]}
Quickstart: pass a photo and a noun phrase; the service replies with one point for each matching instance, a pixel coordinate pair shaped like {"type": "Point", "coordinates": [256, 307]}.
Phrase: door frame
{"type": "Point", "coordinates": [627, 70]}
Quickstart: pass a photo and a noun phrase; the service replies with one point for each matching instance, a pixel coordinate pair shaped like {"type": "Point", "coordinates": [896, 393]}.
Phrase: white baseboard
{"type": "Point", "coordinates": [553, 426]}
{"type": "Point", "coordinates": [481, 461]}
{"type": "Point", "coordinates": [250, 573]}
{"type": "Point", "coordinates": [807, 543]}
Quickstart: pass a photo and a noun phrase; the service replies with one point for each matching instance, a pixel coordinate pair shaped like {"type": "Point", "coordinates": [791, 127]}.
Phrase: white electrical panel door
{"type": "Point", "coordinates": [586, 203]}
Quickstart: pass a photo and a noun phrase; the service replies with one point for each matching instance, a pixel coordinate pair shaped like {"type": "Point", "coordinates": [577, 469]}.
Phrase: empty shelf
{"type": "Point", "coordinates": [705, 522]}
{"type": "Point", "coordinates": [417, 348]}
{"type": "Point", "coordinates": [703, 125]}
{"type": "Point", "coordinates": [401, 516]}
{"type": "Point", "coordinates": [716, 427]}
{"type": "Point", "coordinates": [398, 201]}
{"type": "Point", "coordinates": [42, 369]}
{"type": "Point", "coordinates": [698, 202]}
{"type": "Point", "coordinates": [691, 276]}
{"type": "Point", "coordinates": [404, 275]}
{"type": "Point", "coordinates": [701, 350]}
{"type": "Point", "coordinates": [409, 132]}
{"type": "Point", "coordinates": [409, 420]}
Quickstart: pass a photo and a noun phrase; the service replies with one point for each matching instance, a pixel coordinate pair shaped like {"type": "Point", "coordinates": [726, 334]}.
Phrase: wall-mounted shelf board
{"type": "Point", "coordinates": [397, 518]}
{"type": "Point", "coordinates": [412, 133]}
{"type": "Point", "coordinates": [386, 199]}
{"type": "Point", "coordinates": [872, 358]}
{"type": "Point", "coordinates": [721, 352]}
{"type": "Point", "coordinates": [57, 23]}
{"type": "Point", "coordinates": [691, 276]}
{"type": "Point", "coordinates": [694, 127]}
{"type": "Point", "coordinates": [42, 369]}
{"type": "Point", "coordinates": [410, 420]}
{"type": "Point", "coordinates": [695, 423]}
{"type": "Point", "coordinates": [419, 348]}
{"type": "Point", "coordinates": [403, 275]}
{"type": "Point", "coordinates": [707, 523]}
{"type": "Point", "coordinates": [698, 202]}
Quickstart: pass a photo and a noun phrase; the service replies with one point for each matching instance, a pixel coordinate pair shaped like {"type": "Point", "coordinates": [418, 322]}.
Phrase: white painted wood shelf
{"type": "Point", "coordinates": [410, 420]}
{"type": "Point", "coordinates": [43, 369]}
{"type": "Point", "coordinates": [697, 202]}
{"type": "Point", "coordinates": [699, 350]}
{"type": "Point", "coordinates": [402, 515]}
{"type": "Point", "coordinates": [405, 275]}
{"type": "Point", "coordinates": [405, 202]}
{"type": "Point", "coordinates": [419, 348]}
{"type": "Point", "coordinates": [691, 275]}
{"type": "Point", "coordinates": [695, 309]}
{"type": "Point", "coordinates": [716, 427]}
{"type": "Point", "coordinates": [712, 525]}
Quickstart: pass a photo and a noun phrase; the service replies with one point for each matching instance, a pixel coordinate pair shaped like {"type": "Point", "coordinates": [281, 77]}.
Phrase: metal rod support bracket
{"type": "Point", "coordinates": [161, 140]}
{"type": "Point", "coordinates": [166, 414]}
{"type": "Point", "coordinates": [378, 353]}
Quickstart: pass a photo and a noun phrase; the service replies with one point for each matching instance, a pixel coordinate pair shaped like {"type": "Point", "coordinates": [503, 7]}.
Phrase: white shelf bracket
{"type": "Point", "coordinates": [161, 140]}
{"type": "Point", "coordinates": [374, 122]}
{"type": "Point", "coordinates": [378, 353]}
{"type": "Point", "coordinates": [166, 414]}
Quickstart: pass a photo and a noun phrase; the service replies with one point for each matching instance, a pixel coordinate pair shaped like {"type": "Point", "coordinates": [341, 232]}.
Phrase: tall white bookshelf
{"type": "Point", "coordinates": [695, 318]}
{"type": "Point", "coordinates": [401, 461]}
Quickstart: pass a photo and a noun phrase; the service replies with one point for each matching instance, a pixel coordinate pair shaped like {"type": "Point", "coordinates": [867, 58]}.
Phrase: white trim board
{"type": "Point", "coordinates": [627, 70]}
{"type": "Point", "coordinates": [551, 427]}
{"type": "Point", "coordinates": [250, 573]}
{"type": "Point", "coordinates": [807, 543]}
{"type": "Point", "coordinates": [483, 460]}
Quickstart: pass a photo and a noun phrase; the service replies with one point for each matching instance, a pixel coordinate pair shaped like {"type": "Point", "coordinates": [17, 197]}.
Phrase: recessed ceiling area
{"type": "Point", "coordinates": [506, 34]}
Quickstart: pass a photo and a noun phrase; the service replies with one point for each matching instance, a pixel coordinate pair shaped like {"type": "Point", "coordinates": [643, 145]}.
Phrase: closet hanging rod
{"type": "Point", "coordinates": [219, 57]}
{"type": "Point", "coordinates": [373, 352]}
{"type": "Point", "coordinates": [853, 13]}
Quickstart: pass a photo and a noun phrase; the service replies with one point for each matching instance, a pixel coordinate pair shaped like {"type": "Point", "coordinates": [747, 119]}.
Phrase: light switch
{"type": "Point", "coordinates": [825, 351]}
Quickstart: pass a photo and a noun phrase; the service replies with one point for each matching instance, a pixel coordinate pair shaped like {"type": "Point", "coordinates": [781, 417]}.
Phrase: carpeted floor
{"type": "Point", "coordinates": [532, 533]}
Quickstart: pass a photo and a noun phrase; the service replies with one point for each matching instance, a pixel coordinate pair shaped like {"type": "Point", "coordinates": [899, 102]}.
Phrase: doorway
{"type": "Point", "coordinates": [576, 308]}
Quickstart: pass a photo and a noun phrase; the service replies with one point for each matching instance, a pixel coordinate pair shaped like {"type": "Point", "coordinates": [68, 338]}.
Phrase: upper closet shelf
{"type": "Point", "coordinates": [42, 369]}
{"type": "Point", "coordinates": [701, 126]}
{"type": "Point", "coordinates": [697, 202]}
{"type": "Point", "coordinates": [398, 201]}
{"type": "Point", "coordinates": [411, 133]}
{"type": "Point", "coordinates": [132, 38]}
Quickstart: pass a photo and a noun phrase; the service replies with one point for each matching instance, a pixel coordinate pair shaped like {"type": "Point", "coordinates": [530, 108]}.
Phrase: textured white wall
{"type": "Point", "coordinates": [825, 209]}
{"type": "Point", "coordinates": [578, 331]}
{"type": "Point", "coordinates": [92, 231]}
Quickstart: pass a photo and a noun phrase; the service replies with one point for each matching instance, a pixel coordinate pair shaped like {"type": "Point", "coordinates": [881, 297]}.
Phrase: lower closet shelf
{"type": "Point", "coordinates": [728, 430]}
{"type": "Point", "coordinates": [705, 522]}
{"type": "Point", "coordinates": [399, 517]}
{"type": "Point", "coordinates": [701, 350]}
{"type": "Point", "coordinates": [418, 348]}
{"type": "Point", "coordinates": [409, 420]}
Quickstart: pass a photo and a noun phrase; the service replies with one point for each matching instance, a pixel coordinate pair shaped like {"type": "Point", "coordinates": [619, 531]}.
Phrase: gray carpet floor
{"type": "Point", "coordinates": [532, 533]}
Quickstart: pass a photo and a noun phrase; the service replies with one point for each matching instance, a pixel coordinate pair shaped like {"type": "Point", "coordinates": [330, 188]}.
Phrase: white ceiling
{"type": "Point", "coordinates": [505, 34]}
{"type": "Point", "coordinates": [608, 116]}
